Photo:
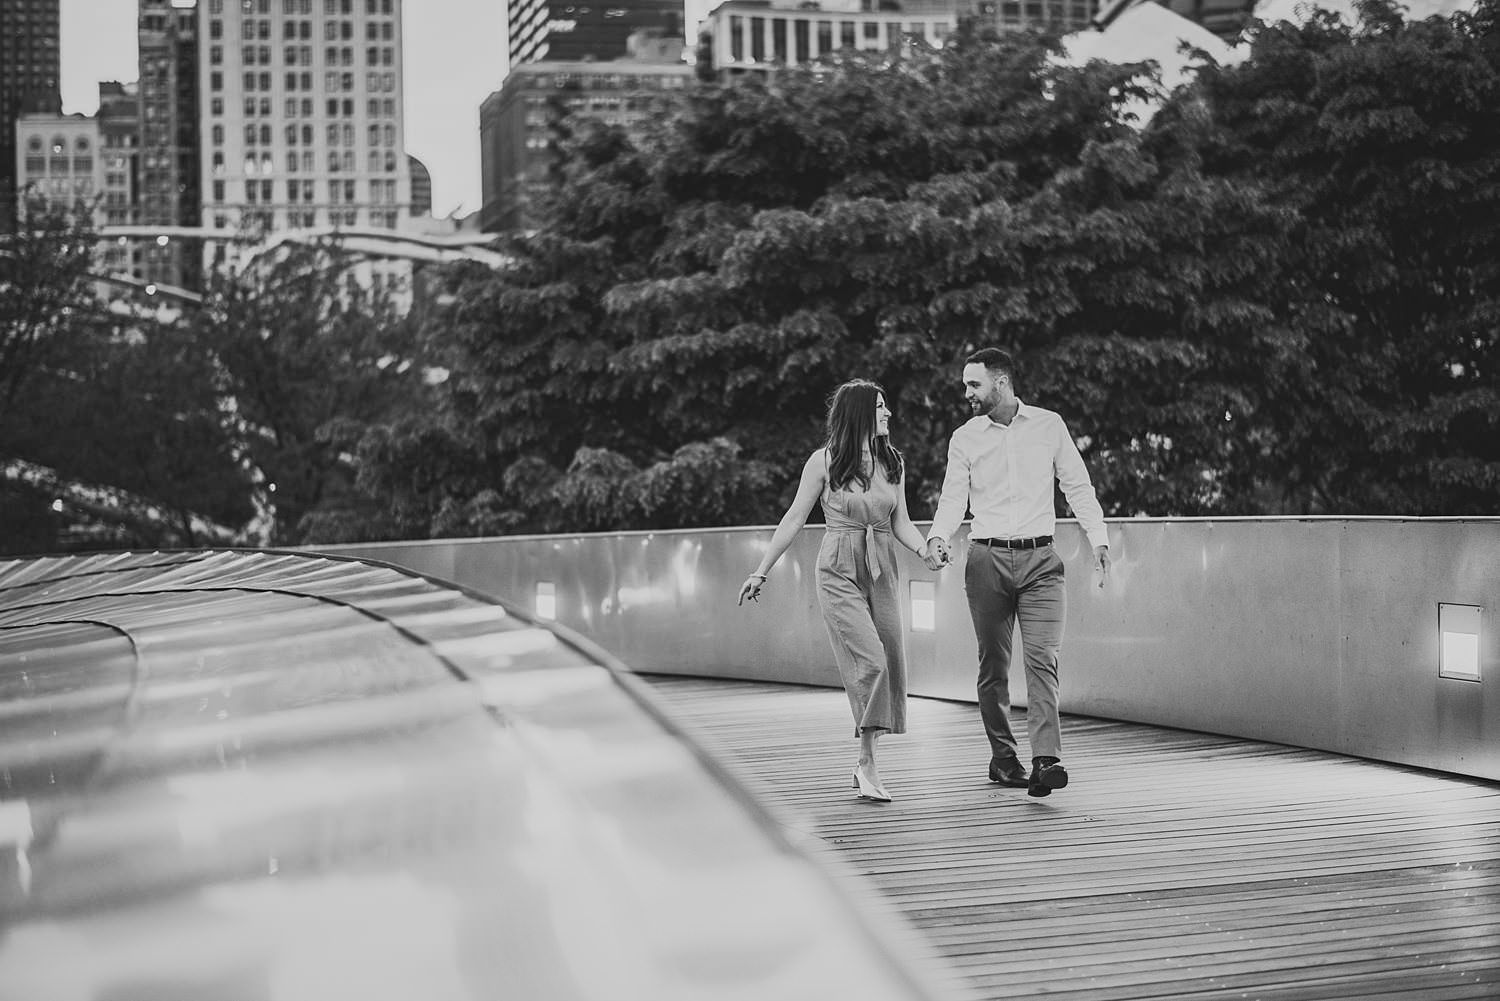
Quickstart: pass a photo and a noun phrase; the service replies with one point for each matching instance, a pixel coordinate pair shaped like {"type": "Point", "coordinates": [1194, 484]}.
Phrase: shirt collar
{"type": "Point", "coordinates": [1022, 410]}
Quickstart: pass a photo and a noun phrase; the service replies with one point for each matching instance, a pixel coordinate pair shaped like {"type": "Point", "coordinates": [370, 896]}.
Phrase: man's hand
{"type": "Point", "coordinates": [936, 556]}
{"type": "Point", "coordinates": [1101, 564]}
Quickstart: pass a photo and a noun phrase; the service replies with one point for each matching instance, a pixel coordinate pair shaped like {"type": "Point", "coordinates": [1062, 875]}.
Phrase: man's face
{"type": "Point", "coordinates": [985, 390]}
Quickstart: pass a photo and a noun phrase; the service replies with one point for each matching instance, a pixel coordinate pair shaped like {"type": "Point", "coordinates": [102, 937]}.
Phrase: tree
{"type": "Point", "coordinates": [1384, 139]}
{"type": "Point", "coordinates": [1239, 308]}
{"type": "Point", "coordinates": [712, 279]}
{"type": "Point", "coordinates": [110, 434]}
{"type": "Point", "coordinates": [44, 270]}
{"type": "Point", "coordinates": [312, 348]}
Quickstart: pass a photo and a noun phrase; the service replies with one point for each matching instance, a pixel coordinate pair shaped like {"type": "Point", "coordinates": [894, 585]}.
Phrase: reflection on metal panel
{"type": "Point", "coordinates": [1319, 632]}
{"type": "Point", "coordinates": [285, 777]}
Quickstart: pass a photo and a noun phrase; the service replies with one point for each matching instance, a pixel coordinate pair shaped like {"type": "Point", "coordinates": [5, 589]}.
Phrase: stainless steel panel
{"type": "Point", "coordinates": [1319, 632]}
{"type": "Point", "coordinates": [278, 777]}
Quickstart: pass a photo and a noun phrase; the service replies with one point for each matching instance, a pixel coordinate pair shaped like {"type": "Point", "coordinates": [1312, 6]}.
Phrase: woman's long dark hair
{"type": "Point", "coordinates": [851, 426]}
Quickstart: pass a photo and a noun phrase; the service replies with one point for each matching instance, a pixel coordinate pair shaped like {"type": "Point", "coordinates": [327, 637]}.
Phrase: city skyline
{"type": "Point", "coordinates": [455, 55]}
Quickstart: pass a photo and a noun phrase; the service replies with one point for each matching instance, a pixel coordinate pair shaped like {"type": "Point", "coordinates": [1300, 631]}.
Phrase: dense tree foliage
{"type": "Point", "coordinates": [1384, 140]}
{"type": "Point", "coordinates": [225, 422]}
{"type": "Point", "coordinates": [311, 342]}
{"type": "Point", "coordinates": [110, 430]}
{"type": "Point", "coordinates": [1279, 296]}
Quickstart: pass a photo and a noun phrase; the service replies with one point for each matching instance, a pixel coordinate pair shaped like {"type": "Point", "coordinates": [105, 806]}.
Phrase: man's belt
{"type": "Point", "coordinates": [1035, 542]}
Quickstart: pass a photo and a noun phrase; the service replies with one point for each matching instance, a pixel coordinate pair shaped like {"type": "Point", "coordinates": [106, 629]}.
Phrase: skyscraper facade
{"type": "Point", "coordinates": [168, 192]}
{"type": "Point", "coordinates": [119, 144]}
{"type": "Point", "coordinates": [30, 71]}
{"type": "Point", "coordinates": [515, 123]}
{"type": "Point", "coordinates": [566, 30]}
{"type": "Point", "coordinates": [301, 115]}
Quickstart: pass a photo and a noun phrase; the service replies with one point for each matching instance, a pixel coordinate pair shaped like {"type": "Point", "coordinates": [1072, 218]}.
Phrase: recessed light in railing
{"type": "Point", "coordinates": [1458, 632]}
{"type": "Point", "coordinates": [546, 600]}
{"type": "Point", "coordinates": [923, 606]}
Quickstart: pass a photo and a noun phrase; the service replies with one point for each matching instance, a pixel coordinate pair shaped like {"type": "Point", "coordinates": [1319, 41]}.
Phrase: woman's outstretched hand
{"type": "Point", "coordinates": [751, 589]}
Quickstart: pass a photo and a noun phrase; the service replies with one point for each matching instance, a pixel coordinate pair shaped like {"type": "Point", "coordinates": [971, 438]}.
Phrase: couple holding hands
{"type": "Point", "coordinates": [1002, 465]}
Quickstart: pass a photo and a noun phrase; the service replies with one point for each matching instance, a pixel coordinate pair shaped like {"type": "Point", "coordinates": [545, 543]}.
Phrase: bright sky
{"type": "Point", "coordinates": [455, 57]}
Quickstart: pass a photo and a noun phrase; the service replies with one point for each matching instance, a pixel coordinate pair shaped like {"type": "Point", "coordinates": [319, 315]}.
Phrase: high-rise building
{"type": "Point", "coordinates": [566, 30]}
{"type": "Point", "coordinates": [301, 115]}
{"type": "Point", "coordinates": [119, 120]}
{"type": "Point", "coordinates": [30, 71]}
{"type": "Point", "coordinates": [516, 148]}
{"type": "Point", "coordinates": [169, 152]}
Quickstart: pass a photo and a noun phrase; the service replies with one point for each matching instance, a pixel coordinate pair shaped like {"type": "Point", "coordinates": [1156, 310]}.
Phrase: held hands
{"type": "Point", "coordinates": [1101, 565]}
{"type": "Point", "coordinates": [751, 588]}
{"type": "Point", "coordinates": [936, 556]}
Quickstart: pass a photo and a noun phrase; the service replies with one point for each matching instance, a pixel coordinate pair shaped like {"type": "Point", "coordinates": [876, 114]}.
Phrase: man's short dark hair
{"type": "Point", "coordinates": [993, 359]}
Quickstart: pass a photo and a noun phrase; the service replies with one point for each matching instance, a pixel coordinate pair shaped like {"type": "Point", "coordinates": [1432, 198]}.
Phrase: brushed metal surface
{"type": "Point", "coordinates": [237, 776]}
{"type": "Point", "coordinates": [1317, 632]}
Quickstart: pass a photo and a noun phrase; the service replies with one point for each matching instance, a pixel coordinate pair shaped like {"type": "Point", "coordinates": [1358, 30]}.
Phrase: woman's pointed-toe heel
{"type": "Point", "coordinates": [869, 790]}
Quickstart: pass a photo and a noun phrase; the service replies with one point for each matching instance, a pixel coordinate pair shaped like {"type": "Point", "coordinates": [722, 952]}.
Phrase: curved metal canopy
{"type": "Point", "coordinates": [251, 775]}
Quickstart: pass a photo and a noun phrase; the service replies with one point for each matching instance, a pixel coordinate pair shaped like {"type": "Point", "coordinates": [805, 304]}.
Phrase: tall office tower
{"type": "Point", "coordinates": [168, 191]}
{"type": "Point", "coordinates": [119, 120]}
{"type": "Point", "coordinates": [302, 116]}
{"type": "Point", "coordinates": [516, 152]}
{"type": "Point", "coordinates": [30, 71]}
{"type": "Point", "coordinates": [567, 30]}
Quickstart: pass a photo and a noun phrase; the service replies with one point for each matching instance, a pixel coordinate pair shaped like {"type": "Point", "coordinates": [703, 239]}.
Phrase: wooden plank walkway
{"type": "Point", "coordinates": [1175, 865]}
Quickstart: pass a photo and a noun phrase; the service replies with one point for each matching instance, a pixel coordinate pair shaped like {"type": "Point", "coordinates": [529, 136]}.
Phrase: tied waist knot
{"type": "Point", "coordinates": [869, 532]}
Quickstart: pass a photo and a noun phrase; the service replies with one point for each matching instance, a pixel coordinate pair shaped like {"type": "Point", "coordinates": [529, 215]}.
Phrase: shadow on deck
{"type": "Point", "coordinates": [1176, 864]}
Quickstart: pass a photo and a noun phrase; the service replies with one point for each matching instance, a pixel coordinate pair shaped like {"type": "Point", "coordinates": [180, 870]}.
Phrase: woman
{"type": "Point", "coordinates": [861, 482]}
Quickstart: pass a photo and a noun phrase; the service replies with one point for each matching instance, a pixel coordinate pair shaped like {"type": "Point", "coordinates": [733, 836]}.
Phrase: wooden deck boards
{"type": "Point", "coordinates": [1175, 865]}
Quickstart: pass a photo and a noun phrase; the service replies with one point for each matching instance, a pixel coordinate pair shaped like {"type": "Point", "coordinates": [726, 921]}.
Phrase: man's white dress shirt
{"type": "Point", "coordinates": [1004, 474]}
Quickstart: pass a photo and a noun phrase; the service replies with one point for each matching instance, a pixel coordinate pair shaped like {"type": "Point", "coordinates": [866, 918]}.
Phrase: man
{"type": "Point", "coordinates": [1001, 465]}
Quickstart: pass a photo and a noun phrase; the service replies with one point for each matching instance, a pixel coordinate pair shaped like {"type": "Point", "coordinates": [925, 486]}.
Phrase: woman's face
{"type": "Point", "coordinates": [882, 415]}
